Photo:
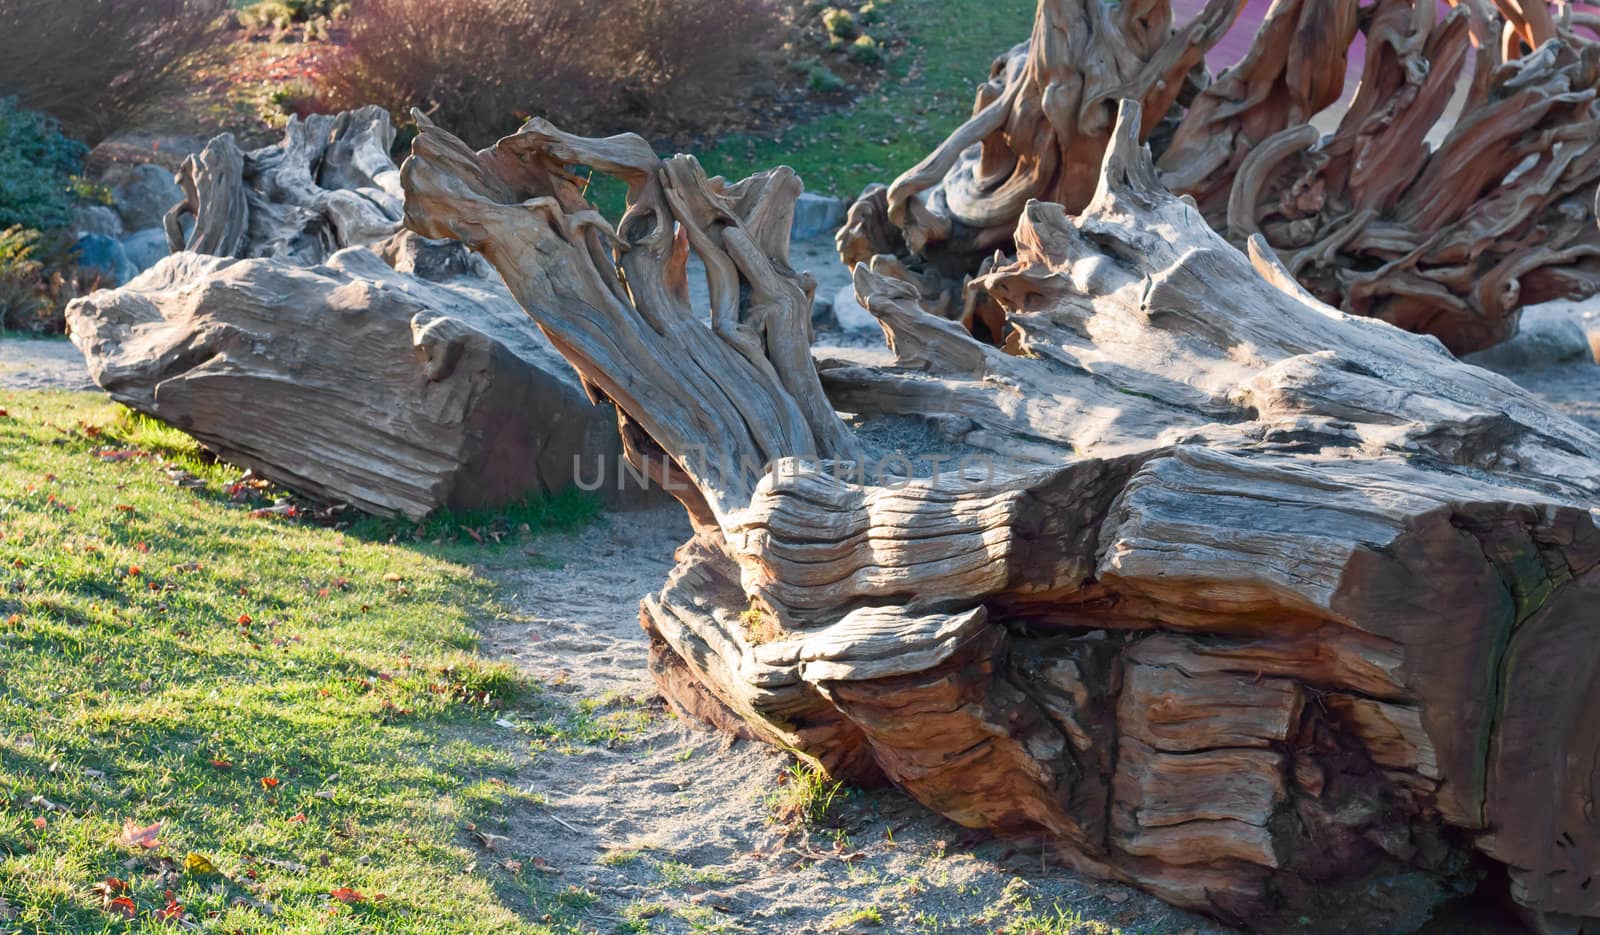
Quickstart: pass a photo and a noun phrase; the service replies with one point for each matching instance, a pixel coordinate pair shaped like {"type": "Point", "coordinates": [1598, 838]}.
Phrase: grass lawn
{"type": "Point", "coordinates": [244, 724]}
{"type": "Point", "coordinates": [927, 92]}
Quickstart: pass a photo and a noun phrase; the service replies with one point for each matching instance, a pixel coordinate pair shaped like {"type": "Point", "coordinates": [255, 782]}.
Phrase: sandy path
{"type": "Point", "coordinates": [682, 813]}
{"type": "Point", "coordinates": [42, 364]}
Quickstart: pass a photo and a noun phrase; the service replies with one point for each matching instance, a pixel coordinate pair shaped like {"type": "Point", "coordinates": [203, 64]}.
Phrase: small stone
{"type": "Point", "coordinates": [145, 248]}
{"type": "Point", "coordinates": [144, 196]}
{"type": "Point", "coordinates": [105, 256]}
{"type": "Point", "coordinates": [96, 219]}
{"type": "Point", "coordinates": [1549, 335]}
{"type": "Point", "coordinates": [816, 216]}
{"type": "Point", "coordinates": [849, 313]}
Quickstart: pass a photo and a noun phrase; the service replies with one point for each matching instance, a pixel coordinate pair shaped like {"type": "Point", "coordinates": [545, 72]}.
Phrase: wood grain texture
{"type": "Point", "coordinates": [1221, 591]}
{"type": "Point", "coordinates": [300, 332]}
{"type": "Point", "coordinates": [1450, 238]}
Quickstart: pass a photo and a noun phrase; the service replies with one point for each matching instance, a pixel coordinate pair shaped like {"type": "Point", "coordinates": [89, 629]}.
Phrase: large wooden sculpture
{"type": "Point", "coordinates": [1272, 610]}
{"type": "Point", "coordinates": [1450, 240]}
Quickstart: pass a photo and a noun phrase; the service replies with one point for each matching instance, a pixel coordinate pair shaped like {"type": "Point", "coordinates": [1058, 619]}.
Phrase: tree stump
{"type": "Point", "coordinates": [1268, 609]}
{"type": "Point", "coordinates": [1450, 240]}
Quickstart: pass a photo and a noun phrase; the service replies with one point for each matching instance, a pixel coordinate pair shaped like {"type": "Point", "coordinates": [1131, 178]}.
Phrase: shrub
{"type": "Point", "coordinates": [824, 81]}
{"type": "Point", "coordinates": [839, 23]}
{"type": "Point", "coordinates": [39, 185]}
{"type": "Point", "coordinates": [866, 50]}
{"type": "Point", "coordinates": [268, 14]}
{"type": "Point", "coordinates": [98, 65]}
{"type": "Point", "coordinates": [37, 279]}
{"type": "Point", "coordinates": [38, 169]}
{"type": "Point", "coordinates": [281, 14]}
{"type": "Point", "coordinates": [589, 65]}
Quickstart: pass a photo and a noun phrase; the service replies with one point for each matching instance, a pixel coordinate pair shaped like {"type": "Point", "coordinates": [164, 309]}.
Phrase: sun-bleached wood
{"type": "Point", "coordinates": [329, 184]}
{"type": "Point", "coordinates": [1271, 610]}
{"type": "Point", "coordinates": [1451, 239]}
{"type": "Point", "coordinates": [300, 332]}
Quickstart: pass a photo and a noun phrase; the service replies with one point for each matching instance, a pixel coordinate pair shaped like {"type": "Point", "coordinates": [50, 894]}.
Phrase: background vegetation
{"type": "Point", "coordinates": [484, 66]}
{"type": "Point", "coordinates": [99, 65]}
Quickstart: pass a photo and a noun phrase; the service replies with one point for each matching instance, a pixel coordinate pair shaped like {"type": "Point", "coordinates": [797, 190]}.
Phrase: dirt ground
{"type": "Point", "coordinates": [673, 824]}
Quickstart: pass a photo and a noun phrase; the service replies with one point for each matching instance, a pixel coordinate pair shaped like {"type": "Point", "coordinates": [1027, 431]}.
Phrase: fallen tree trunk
{"type": "Point", "coordinates": [1450, 240]}
{"type": "Point", "coordinates": [342, 357]}
{"type": "Point", "coordinates": [1273, 611]}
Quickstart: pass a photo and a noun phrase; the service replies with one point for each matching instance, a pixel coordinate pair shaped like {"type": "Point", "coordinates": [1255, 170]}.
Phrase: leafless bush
{"type": "Point", "coordinates": [96, 65]}
{"type": "Point", "coordinates": [590, 65]}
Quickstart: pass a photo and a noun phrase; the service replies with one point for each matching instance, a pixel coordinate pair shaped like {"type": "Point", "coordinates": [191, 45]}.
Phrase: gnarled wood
{"type": "Point", "coordinates": [1449, 240]}
{"type": "Point", "coordinates": [1266, 608]}
{"type": "Point", "coordinates": [328, 185]}
{"type": "Point", "coordinates": [345, 358]}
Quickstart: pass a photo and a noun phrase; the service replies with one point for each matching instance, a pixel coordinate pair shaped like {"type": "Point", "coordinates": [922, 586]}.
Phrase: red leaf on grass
{"type": "Point", "coordinates": [221, 764]}
{"type": "Point", "coordinates": [244, 619]}
{"type": "Point", "coordinates": [122, 906]}
{"type": "Point", "coordinates": [270, 782]}
{"type": "Point", "coordinates": [298, 819]}
{"type": "Point", "coordinates": [171, 912]}
{"type": "Point", "coordinates": [345, 894]}
{"type": "Point", "coordinates": [135, 836]}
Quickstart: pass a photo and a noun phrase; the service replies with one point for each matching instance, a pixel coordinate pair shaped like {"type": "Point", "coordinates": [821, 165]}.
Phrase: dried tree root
{"type": "Point", "coordinates": [1450, 240]}
{"type": "Point", "coordinates": [1268, 609]}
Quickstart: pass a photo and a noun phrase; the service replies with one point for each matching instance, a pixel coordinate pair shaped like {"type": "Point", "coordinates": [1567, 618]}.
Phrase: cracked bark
{"type": "Point", "coordinates": [1234, 613]}
{"type": "Point", "coordinates": [1450, 240]}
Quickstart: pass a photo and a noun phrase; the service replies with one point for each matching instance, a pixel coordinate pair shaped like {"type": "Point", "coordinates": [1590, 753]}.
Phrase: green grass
{"type": "Point", "coordinates": [298, 708]}
{"type": "Point", "coordinates": [926, 92]}
{"type": "Point", "coordinates": [804, 796]}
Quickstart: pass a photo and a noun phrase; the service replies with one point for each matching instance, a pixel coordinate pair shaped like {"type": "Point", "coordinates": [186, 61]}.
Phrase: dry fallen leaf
{"type": "Point", "coordinates": [345, 894]}
{"type": "Point", "coordinates": [489, 841]}
{"type": "Point", "coordinates": [135, 836]}
{"type": "Point", "coordinates": [298, 819]}
{"type": "Point", "coordinates": [122, 906]}
{"type": "Point", "coordinates": [270, 782]}
{"type": "Point", "coordinates": [198, 864]}
{"type": "Point", "coordinates": [171, 912]}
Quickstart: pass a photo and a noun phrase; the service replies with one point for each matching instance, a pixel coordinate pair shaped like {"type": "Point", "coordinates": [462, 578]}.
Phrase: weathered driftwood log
{"type": "Point", "coordinates": [330, 184]}
{"type": "Point", "coordinates": [1450, 240]}
{"type": "Point", "coordinates": [1268, 609]}
{"type": "Point", "coordinates": [399, 379]}
{"type": "Point", "coordinates": [349, 381]}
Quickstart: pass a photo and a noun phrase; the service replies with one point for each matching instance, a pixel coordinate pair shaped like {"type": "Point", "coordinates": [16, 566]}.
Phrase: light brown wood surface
{"type": "Point", "coordinates": [1270, 609]}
